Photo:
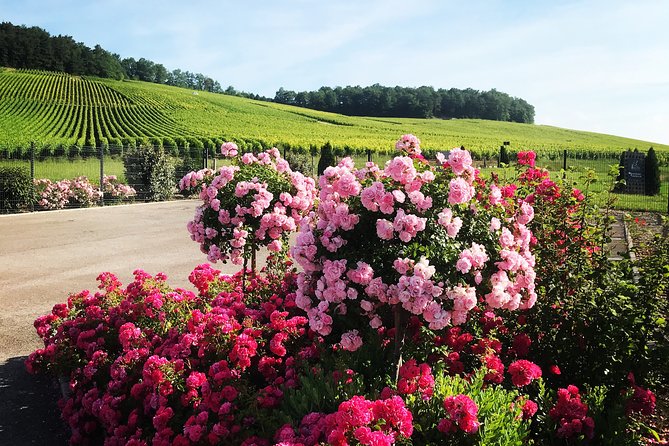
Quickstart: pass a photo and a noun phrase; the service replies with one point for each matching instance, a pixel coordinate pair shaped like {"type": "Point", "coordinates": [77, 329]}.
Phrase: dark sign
{"type": "Point", "coordinates": [635, 181]}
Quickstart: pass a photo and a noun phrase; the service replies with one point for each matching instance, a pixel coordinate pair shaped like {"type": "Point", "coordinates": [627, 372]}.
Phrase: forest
{"type": "Point", "coordinates": [34, 48]}
{"type": "Point", "coordinates": [406, 102]}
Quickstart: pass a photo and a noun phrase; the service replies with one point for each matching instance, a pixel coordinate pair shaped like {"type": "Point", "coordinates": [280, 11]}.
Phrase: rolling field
{"type": "Point", "coordinates": [57, 112]}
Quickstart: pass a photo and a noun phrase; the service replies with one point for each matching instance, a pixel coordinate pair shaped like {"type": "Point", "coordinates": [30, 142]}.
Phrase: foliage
{"type": "Point", "coordinates": [300, 162]}
{"type": "Point", "coordinates": [421, 102]}
{"type": "Point", "coordinates": [326, 159]}
{"type": "Point", "coordinates": [652, 173]}
{"type": "Point", "coordinates": [150, 171]}
{"type": "Point", "coordinates": [17, 192]}
{"type": "Point", "coordinates": [62, 107]}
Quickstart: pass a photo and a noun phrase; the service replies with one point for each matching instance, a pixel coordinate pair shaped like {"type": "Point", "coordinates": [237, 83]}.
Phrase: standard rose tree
{"type": "Point", "coordinates": [256, 201]}
{"type": "Point", "coordinates": [411, 239]}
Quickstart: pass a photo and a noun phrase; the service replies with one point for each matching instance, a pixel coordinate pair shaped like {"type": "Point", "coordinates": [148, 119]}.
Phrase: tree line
{"type": "Point", "coordinates": [34, 48]}
{"type": "Point", "coordinates": [407, 102]}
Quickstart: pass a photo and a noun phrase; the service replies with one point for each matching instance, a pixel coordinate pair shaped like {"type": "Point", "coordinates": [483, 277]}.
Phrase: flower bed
{"type": "Point", "coordinates": [433, 307]}
{"type": "Point", "coordinates": [80, 192]}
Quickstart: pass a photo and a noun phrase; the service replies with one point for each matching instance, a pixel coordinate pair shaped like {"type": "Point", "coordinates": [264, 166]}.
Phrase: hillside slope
{"type": "Point", "coordinates": [56, 109]}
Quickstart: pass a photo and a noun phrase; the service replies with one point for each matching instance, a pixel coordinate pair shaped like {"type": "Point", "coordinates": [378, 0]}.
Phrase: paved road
{"type": "Point", "coordinates": [44, 257]}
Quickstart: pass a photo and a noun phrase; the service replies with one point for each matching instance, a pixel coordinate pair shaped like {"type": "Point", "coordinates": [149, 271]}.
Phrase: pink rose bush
{"type": "Point", "coordinates": [78, 192]}
{"type": "Point", "coordinates": [256, 201]}
{"type": "Point", "coordinates": [393, 238]}
{"type": "Point", "coordinates": [114, 190]}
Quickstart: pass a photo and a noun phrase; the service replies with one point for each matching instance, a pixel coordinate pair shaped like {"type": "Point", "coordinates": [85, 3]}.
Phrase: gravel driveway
{"type": "Point", "coordinates": [44, 257]}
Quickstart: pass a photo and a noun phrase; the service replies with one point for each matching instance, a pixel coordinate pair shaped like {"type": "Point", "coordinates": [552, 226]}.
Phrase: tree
{"type": "Point", "coordinates": [327, 158]}
{"type": "Point", "coordinates": [503, 155]}
{"type": "Point", "coordinates": [652, 173]}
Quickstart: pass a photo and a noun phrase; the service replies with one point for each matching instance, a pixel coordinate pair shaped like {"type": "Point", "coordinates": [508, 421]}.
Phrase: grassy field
{"type": "Point", "coordinates": [57, 111]}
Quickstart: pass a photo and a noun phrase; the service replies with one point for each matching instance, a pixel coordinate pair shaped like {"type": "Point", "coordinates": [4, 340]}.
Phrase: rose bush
{"type": "Point", "coordinates": [434, 306]}
{"type": "Point", "coordinates": [78, 192]}
{"type": "Point", "coordinates": [256, 201]}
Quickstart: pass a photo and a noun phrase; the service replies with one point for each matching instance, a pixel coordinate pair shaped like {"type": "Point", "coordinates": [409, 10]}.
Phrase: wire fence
{"type": "Point", "coordinates": [99, 173]}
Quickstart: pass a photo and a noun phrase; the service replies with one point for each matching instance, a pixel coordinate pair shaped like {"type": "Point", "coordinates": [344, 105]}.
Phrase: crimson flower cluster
{"type": "Point", "coordinates": [461, 415]}
{"type": "Point", "coordinates": [415, 378]}
{"type": "Point", "coordinates": [570, 414]}
{"type": "Point", "coordinates": [523, 372]}
{"type": "Point", "coordinates": [166, 366]}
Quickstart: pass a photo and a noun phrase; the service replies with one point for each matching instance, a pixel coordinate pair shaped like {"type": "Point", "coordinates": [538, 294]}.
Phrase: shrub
{"type": "Point", "coordinates": [185, 165]}
{"type": "Point", "coordinates": [115, 191]}
{"type": "Point", "coordinates": [327, 158]}
{"type": "Point", "coordinates": [17, 191]}
{"type": "Point", "coordinates": [78, 192]}
{"type": "Point", "coordinates": [652, 173]}
{"type": "Point", "coordinates": [256, 201]}
{"type": "Point", "coordinates": [503, 155]}
{"type": "Point", "coordinates": [299, 162]}
{"type": "Point", "coordinates": [150, 172]}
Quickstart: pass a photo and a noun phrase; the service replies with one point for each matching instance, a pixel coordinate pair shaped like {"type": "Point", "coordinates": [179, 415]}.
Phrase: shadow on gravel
{"type": "Point", "coordinates": [29, 413]}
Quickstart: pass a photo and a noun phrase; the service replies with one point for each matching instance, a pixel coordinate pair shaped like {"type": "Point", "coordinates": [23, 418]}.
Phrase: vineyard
{"type": "Point", "coordinates": [64, 115]}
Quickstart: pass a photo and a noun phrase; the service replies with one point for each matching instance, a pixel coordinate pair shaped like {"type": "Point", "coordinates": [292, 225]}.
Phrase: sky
{"type": "Point", "coordinates": [601, 66]}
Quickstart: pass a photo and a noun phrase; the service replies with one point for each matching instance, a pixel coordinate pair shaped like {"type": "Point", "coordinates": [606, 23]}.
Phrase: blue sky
{"type": "Point", "coordinates": [592, 65]}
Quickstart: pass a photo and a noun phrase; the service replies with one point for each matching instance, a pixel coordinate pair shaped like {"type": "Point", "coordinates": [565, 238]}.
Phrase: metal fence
{"type": "Point", "coordinates": [95, 164]}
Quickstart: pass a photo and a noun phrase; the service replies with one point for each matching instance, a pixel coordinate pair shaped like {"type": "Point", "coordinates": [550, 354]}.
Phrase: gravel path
{"type": "Point", "coordinates": [44, 257]}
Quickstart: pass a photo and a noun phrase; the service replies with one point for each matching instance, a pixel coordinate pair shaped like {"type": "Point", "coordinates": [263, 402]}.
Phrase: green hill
{"type": "Point", "coordinates": [57, 111]}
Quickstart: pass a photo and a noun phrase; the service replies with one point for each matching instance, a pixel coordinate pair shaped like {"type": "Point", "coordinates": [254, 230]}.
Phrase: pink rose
{"type": "Point", "coordinates": [384, 229]}
{"type": "Point", "coordinates": [459, 191]}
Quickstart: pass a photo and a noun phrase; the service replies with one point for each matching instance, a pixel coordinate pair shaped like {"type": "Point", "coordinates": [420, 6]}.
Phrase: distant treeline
{"type": "Point", "coordinates": [35, 48]}
{"type": "Point", "coordinates": [403, 102]}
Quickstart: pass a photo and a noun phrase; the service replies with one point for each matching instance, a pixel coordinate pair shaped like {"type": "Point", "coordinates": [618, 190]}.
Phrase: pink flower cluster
{"type": "Point", "coordinates": [255, 202]}
{"type": "Point", "coordinates": [461, 414]}
{"type": "Point", "coordinates": [570, 414]}
{"type": "Point", "coordinates": [114, 189]}
{"type": "Point", "coordinates": [364, 214]}
{"type": "Point", "coordinates": [409, 144]}
{"type": "Point", "coordinates": [57, 195]}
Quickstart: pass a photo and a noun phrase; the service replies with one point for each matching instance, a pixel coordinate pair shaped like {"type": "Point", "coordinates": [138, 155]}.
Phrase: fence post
{"type": "Point", "coordinates": [205, 160]}
{"type": "Point", "coordinates": [564, 164]}
{"type": "Point", "coordinates": [32, 160]}
{"type": "Point", "coordinates": [369, 156]}
{"type": "Point", "coordinates": [102, 174]}
{"type": "Point", "coordinates": [32, 171]}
